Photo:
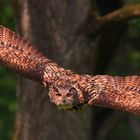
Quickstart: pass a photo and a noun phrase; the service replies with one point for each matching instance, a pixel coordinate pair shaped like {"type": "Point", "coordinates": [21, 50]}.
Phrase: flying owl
{"type": "Point", "coordinates": [66, 88]}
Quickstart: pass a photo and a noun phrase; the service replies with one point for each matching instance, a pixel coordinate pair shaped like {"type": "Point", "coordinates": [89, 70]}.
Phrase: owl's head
{"type": "Point", "coordinates": [65, 95]}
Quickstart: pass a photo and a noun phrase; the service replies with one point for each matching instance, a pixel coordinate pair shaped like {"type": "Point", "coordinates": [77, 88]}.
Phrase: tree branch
{"type": "Point", "coordinates": [125, 13]}
{"type": "Point", "coordinates": [119, 15]}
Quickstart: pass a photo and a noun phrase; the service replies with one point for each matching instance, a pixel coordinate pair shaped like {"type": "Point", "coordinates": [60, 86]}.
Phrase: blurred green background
{"type": "Point", "coordinates": [127, 62]}
{"type": "Point", "coordinates": [7, 81]}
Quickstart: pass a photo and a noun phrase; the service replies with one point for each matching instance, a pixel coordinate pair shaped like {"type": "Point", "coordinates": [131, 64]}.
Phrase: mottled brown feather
{"type": "Point", "coordinates": [116, 92]}
{"type": "Point", "coordinates": [18, 54]}
{"type": "Point", "coordinates": [21, 56]}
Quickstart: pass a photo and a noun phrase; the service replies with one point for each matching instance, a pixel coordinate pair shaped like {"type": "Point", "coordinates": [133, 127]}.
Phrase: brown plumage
{"type": "Point", "coordinates": [66, 87]}
{"type": "Point", "coordinates": [116, 92]}
{"type": "Point", "coordinates": [21, 56]}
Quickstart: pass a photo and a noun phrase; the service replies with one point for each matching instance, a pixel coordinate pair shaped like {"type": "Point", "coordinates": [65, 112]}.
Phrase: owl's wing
{"type": "Point", "coordinates": [116, 92]}
{"type": "Point", "coordinates": [21, 56]}
{"type": "Point", "coordinates": [121, 84]}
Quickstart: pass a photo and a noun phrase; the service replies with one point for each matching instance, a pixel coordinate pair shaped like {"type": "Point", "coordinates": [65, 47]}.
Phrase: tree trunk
{"type": "Point", "coordinates": [52, 26]}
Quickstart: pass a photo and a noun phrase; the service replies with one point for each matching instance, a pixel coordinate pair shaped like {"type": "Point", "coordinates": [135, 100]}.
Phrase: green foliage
{"type": "Point", "coordinates": [128, 2]}
{"type": "Point", "coordinates": [7, 81]}
{"type": "Point", "coordinates": [6, 14]}
{"type": "Point", "coordinates": [127, 61]}
{"type": "Point", "coordinates": [122, 131]}
{"type": "Point", "coordinates": [7, 103]}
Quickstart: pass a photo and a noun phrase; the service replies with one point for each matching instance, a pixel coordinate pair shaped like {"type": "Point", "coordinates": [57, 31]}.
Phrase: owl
{"type": "Point", "coordinates": [67, 89]}
{"type": "Point", "coordinates": [65, 96]}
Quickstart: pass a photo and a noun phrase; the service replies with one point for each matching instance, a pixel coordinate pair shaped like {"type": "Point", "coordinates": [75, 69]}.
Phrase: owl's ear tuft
{"type": "Point", "coordinates": [72, 90]}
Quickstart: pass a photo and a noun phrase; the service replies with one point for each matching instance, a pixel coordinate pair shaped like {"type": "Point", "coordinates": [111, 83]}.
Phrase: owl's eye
{"type": "Point", "coordinates": [69, 94]}
{"type": "Point", "coordinates": [56, 89]}
{"type": "Point", "coordinates": [72, 92]}
{"type": "Point", "coordinates": [58, 94]}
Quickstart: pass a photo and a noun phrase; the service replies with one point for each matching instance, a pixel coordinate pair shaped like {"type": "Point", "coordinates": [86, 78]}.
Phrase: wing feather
{"type": "Point", "coordinates": [116, 92]}
{"type": "Point", "coordinates": [119, 83]}
{"type": "Point", "coordinates": [20, 55]}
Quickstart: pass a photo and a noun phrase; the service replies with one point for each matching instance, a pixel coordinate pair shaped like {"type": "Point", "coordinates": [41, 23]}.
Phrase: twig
{"type": "Point", "coordinates": [125, 13]}
{"type": "Point", "coordinates": [122, 14]}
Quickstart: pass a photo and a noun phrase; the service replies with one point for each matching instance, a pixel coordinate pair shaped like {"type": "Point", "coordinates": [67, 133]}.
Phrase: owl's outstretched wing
{"type": "Point", "coordinates": [128, 83]}
{"type": "Point", "coordinates": [116, 92]}
{"type": "Point", "coordinates": [21, 56]}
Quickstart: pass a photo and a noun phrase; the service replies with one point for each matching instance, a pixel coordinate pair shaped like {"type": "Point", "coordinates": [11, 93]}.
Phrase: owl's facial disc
{"type": "Point", "coordinates": [65, 97]}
